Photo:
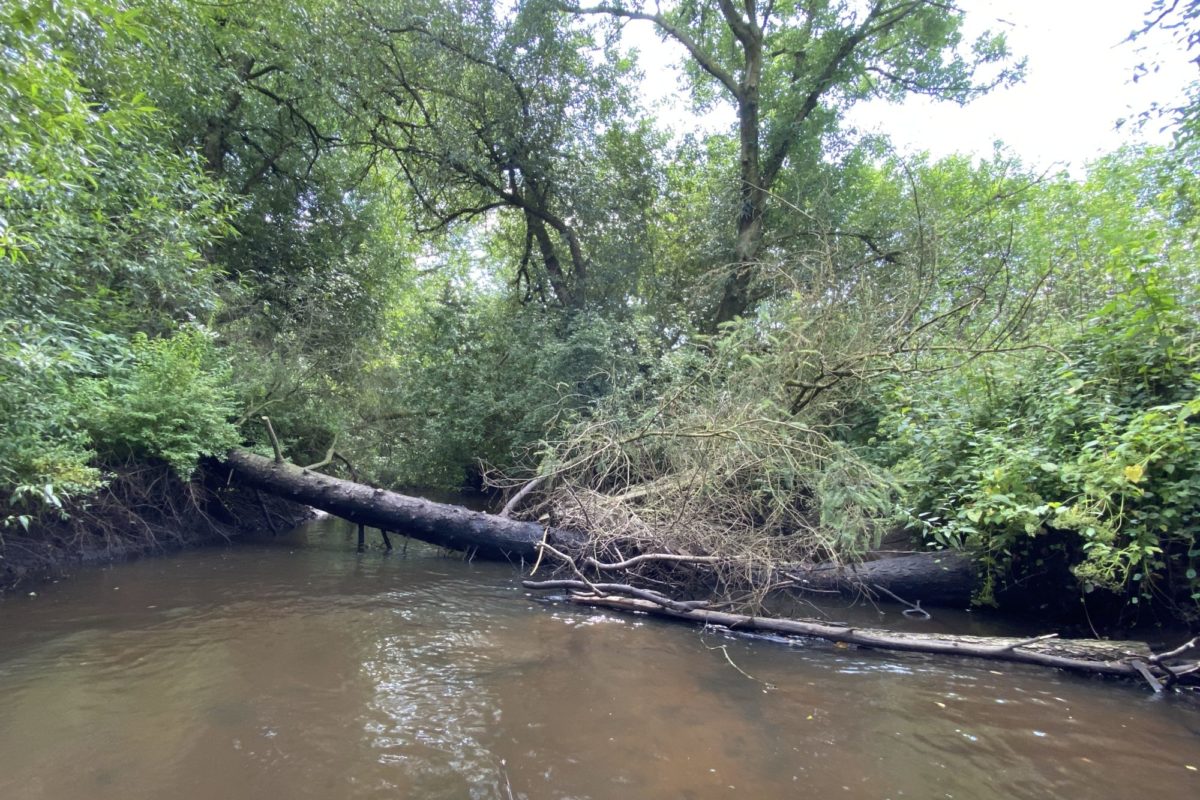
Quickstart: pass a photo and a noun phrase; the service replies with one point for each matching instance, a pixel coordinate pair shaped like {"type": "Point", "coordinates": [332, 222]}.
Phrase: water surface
{"type": "Point", "coordinates": [298, 668]}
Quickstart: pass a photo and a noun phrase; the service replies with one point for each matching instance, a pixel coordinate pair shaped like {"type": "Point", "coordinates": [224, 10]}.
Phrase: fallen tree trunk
{"type": "Point", "coordinates": [942, 578]}
{"type": "Point", "coordinates": [1126, 659]}
{"type": "Point", "coordinates": [478, 534]}
{"type": "Point", "coordinates": [932, 579]}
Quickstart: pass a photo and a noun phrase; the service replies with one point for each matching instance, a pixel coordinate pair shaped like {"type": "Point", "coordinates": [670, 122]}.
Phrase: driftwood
{"type": "Point", "coordinates": [932, 579]}
{"type": "Point", "coordinates": [1126, 659]}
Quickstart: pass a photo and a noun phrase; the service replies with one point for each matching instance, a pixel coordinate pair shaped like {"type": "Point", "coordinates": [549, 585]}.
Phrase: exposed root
{"type": "Point", "coordinates": [142, 508]}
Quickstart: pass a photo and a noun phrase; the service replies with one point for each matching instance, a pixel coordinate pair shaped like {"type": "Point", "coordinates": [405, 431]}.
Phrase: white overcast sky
{"type": "Point", "coordinates": [1078, 85]}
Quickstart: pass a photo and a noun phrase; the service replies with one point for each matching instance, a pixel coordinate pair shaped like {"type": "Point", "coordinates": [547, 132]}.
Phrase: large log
{"type": "Point", "coordinates": [942, 578]}
{"type": "Point", "coordinates": [478, 534]}
{"type": "Point", "coordinates": [934, 579]}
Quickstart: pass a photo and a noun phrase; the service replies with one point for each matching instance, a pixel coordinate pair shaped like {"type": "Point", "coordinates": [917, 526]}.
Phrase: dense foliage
{"type": "Point", "coordinates": [102, 231]}
{"type": "Point", "coordinates": [444, 240]}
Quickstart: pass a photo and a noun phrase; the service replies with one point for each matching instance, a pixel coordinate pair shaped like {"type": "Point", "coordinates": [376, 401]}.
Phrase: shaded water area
{"type": "Point", "coordinates": [298, 668]}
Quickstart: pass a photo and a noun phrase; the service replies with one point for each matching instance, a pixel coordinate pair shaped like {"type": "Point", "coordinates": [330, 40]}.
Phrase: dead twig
{"type": "Point", "coordinates": [644, 557]}
{"type": "Point", "coordinates": [599, 589]}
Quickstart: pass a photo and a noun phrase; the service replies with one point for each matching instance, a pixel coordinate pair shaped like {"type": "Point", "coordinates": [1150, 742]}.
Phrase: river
{"type": "Point", "coordinates": [298, 668]}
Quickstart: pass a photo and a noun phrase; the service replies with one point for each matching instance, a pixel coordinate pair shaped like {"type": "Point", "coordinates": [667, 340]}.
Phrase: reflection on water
{"type": "Point", "coordinates": [301, 669]}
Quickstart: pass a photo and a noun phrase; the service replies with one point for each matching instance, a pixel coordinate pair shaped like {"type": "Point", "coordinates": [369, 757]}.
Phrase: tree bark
{"type": "Point", "coordinates": [478, 534]}
{"type": "Point", "coordinates": [940, 579]}
{"type": "Point", "coordinates": [753, 191]}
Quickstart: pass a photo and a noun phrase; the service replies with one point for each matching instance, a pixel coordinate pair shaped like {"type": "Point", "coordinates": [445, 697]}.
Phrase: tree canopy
{"type": "Point", "coordinates": [791, 70]}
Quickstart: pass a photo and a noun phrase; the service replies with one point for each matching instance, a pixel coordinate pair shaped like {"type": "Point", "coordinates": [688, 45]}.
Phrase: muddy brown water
{"type": "Point", "coordinates": [300, 669]}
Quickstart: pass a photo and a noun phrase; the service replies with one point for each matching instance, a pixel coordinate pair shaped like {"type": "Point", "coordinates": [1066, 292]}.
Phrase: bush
{"type": "Point", "coordinates": [103, 223]}
{"type": "Point", "coordinates": [1095, 456]}
{"type": "Point", "coordinates": [169, 401]}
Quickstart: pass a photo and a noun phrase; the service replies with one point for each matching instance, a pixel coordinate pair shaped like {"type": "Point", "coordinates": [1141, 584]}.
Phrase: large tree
{"type": "Point", "coordinates": [496, 119]}
{"type": "Point", "coordinates": [790, 68]}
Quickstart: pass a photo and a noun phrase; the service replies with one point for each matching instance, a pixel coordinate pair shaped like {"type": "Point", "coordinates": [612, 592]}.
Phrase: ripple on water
{"type": "Point", "coordinates": [313, 672]}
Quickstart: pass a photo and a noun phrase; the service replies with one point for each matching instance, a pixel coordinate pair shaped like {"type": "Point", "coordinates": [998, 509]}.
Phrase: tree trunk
{"type": "Point", "coordinates": [942, 579]}
{"type": "Point", "coordinates": [933, 579]}
{"type": "Point", "coordinates": [753, 192]}
{"type": "Point", "coordinates": [478, 534]}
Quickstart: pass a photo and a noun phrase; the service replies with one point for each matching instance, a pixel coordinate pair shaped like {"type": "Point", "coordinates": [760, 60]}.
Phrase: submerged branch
{"type": "Point", "coordinates": [1125, 659]}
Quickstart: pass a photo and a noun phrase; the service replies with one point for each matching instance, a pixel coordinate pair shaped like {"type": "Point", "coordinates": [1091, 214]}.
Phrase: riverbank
{"type": "Point", "coordinates": [143, 509]}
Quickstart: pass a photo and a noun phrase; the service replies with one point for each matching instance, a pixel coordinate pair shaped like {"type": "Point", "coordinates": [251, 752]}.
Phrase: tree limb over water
{"type": "Point", "coordinates": [934, 579]}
